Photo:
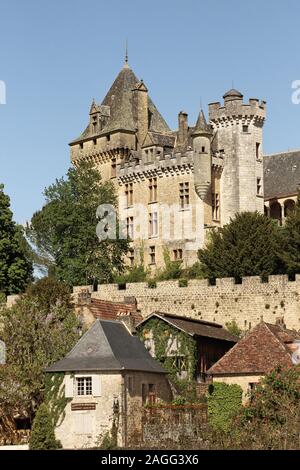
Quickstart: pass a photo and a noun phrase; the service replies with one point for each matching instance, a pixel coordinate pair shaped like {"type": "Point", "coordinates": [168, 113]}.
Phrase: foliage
{"type": "Point", "coordinates": [15, 265]}
{"type": "Point", "coordinates": [34, 338]}
{"type": "Point", "coordinates": [247, 246]}
{"type": "Point", "coordinates": [172, 269]}
{"type": "Point", "coordinates": [136, 274]}
{"type": "Point", "coordinates": [182, 282]}
{"type": "Point", "coordinates": [290, 253]}
{"type": "Point", "coordinates": [42, 434]}
{"type": "Point", "coordinates": [224, 402]}
{"type": "Point", "coordinates": [194, 272]}
{"type": "Point", "coordinates": [163, 336]}
{"type": "Point", "coordinates": [233, 328]}
{"type": "Point", "coordinates": [152, 284]}
{"type": "Point", "coordinates": [55, 396]}
{"type": "Point", "coordinates": [63, 232]}
{"type": "Point", "coordinates": [48, 292]}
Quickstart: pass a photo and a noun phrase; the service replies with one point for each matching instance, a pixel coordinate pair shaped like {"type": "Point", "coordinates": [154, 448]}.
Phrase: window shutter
{"type": "Point", "coordinates": [69, 386]}
{"type": "Point", "coordinates": [96, 385]}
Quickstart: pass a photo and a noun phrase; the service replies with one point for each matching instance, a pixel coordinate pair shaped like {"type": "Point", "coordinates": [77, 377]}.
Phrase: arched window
{"type": "Point", "coordinates": [275, 212]}
{"type": "Point", "coordinates": [289, 206]}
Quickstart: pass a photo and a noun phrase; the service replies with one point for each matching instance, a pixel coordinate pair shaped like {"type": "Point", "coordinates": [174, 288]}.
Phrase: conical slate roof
{"type": "Point", "coordinates": [119, 99]}
{"type": "Point", "coordinates": [201, 126]}
{"type": "Point", "coordinates": [108, 346]}
{"type": "Point", "coordinates": [233, 94]}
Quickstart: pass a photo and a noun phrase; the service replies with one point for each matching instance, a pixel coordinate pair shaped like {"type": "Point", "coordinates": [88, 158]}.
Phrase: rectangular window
{"type": "Point", "coordinates": [129, 194]}
{"type": "Point", "coordinates": [245, 129]}
{"type": "Point", "coordinates": [84, 386]}
{"type": "Point", "coordinates": [215, 206]}
{"type": "Point", "coordinates": [131, 257]}
{"type": "Point", "coordinates": [129, 227]}
{"type": "Point", "coordinates": [152, 254]}
{"type": "Point", "coordinates": [258, 186]}
{"type": "Point", "coordinates": [113, 168]}
{"type": "Point", "coordinates": [84, 423]}
{"type": "Point", "coordinates": [177, 254]}
{"type": "Point", "coordinates": [130, 385]}
{"type": "Point", "coordinates": [81, 145]}
{"type": "Point", "coordinates": [257, 150]}
{"type": "Point", "coordinates": [152, 189]}
{"type": "Point", "coordinates": [184, 195]}
{"type": "Point", "coordinates": [153, 224]}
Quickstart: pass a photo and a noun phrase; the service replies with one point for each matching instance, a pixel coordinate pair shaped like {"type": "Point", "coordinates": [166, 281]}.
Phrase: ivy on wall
{"type": "Point", "coordinates": [55, 396]}
{"type": "Point", "coordinates": [224, 402]}
{"type": "Point", "coordinates": [162, 333]}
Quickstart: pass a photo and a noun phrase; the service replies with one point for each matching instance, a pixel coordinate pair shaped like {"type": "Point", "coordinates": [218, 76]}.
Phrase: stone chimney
{"type": "Point", "coordinates": [182, 127]}
{"type": "Point", "coordinates": [140, 111]}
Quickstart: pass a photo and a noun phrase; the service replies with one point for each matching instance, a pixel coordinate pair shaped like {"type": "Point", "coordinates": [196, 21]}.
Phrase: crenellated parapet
{"type": "Point", "coordinates": [237, 110]}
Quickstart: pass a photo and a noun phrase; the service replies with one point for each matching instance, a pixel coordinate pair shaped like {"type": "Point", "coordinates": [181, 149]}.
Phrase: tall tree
{"type": "Point", "coordinates": [15, 264]}
{"type": "Point", "coordinates": [64, 230]}
{"type": "Point", "coordinates": [36, 333]}
{"type": "Point", "coordinates": [247, 246]}
{"type": "Point", "coordinates": [290, 247]}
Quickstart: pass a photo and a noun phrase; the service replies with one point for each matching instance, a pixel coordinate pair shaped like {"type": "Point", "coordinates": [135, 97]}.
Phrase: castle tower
{"type": "Point", "coordinates": [202, 156]}
{"type": "Point", "coordinates": [238, 140]}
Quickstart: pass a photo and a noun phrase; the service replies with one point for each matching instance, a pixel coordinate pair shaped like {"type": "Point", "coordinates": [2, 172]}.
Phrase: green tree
{"type": "Point", "coordinates": [247, 246]}
{"type": "Point", "coordinates": [48, 292]}
{"type": "Point", "coordinates": [35, 335]}
{"type": "Point", "coordinates": [42, 433]}
{"type": "Point", "coordinates": [15, 264]}
{"type": "Point", "coordinates": [64, 230]}
{"type": "Point", "coordinates": [290, 247]}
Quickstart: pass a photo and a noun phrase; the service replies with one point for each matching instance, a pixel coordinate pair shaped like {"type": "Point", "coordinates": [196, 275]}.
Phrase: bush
{"type": "Point", "coordinates": [233, 328]}
{"type": "Point", "coordinates": [42, 434]}
{"type": "Point", "coordinates": [224, 403]}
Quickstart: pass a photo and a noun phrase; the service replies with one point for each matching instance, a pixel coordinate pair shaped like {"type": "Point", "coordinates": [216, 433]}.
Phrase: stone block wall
{"type": "Point", "coordinates": [247, 303]}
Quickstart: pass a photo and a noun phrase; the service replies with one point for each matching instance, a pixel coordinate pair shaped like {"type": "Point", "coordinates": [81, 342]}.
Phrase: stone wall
{"type": "Point", "coordinates": [246, 303]}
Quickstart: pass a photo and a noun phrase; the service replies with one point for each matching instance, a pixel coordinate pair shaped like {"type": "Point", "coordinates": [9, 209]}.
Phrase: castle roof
{"type": "Point", "coordinates": [201, 126]}
{"type": "Point", "coordinates": [259, 352]}
{"type": "Point", "coordinates": [281, 174]}
{"type": "Point", "coordinates": [108, 346]}
{"type": "Point", "coordinates": [119, 100]}
{"type": "Point", "coordinates": [232, 95]}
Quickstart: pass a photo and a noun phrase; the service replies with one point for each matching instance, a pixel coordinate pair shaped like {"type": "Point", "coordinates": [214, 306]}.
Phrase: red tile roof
{"type": "Point", "coordinates": [260, 351]}
{"type": "Point", "coordinates": [106, 310]}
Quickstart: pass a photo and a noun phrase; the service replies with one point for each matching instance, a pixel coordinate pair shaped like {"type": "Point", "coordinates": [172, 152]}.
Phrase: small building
{"type": "Point", "coordinates": [263, 348]}
{"type": "Point", "coordinates": [108, 377]}
{"type": "Point", "coordinates": [187, 346]}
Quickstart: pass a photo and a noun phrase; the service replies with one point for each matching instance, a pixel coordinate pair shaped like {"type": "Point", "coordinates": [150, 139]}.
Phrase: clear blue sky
{"type": "Point", "coordinates": [55, 56]}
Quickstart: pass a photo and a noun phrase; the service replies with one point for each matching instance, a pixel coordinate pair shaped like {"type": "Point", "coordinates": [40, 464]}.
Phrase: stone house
{"type": "Point", "coordinates": [108, 377]}
{"type": "Point", "coordinates": [262, 349]}
{"type": "Point", "coordinates": [185, 346]}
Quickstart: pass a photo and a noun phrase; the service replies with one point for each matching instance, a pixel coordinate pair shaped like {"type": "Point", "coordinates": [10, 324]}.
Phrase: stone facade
{"type": "Point", "coordinates": [117, 401]}
{"type": "Point", "coordinates": [246, 382]}
{"type": "Point", "coordinates": [187, 181]}
{"type": "Point", "coordinates": [246, 303]}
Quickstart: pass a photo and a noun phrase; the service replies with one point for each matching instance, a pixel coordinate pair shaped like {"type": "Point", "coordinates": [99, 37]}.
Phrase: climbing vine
{"type": "Point", "coordinates": [162, 333]}
{"type": "Point", "coordinates": [55, 396]}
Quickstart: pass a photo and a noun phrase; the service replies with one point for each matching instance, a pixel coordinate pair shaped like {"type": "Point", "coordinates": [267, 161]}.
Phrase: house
{"type": "Point", "coordinates": [108, 377]}
{"type": "Point", "coordinates": [262, 349]}
{"type": "Point", "coordinates": [186, 346]}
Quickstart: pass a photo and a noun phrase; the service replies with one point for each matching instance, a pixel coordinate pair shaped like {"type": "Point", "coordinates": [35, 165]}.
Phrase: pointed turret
{"type": "Point", "coordinates": [201, 135]}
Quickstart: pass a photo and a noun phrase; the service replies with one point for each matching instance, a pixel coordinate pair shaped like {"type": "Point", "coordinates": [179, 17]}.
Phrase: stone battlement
{"type": "Point", "coordinates": [237, 109]}
{"type": "Point", "coordinates": [247, 303]}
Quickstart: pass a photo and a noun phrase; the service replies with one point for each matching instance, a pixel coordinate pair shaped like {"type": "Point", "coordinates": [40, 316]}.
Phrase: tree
{"type": "Point", "coordinates": [290, 252]}
{"type": "Point", "coordinates": [48, 292]}
{"type": "Point", "coordinates": [15, 264]}
{"type": "Point", "coordinates": [42, 433]}
{"type": "Point", "coordinates": [64, 230]}
{"type": "Point", "coordinates": [247, 246]}
{"type": "Point", "coordinates": [36, 334]}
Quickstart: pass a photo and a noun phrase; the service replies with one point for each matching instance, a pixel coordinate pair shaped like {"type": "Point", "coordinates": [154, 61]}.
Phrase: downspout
{"type": "Point", "coordinates": [124, 411]}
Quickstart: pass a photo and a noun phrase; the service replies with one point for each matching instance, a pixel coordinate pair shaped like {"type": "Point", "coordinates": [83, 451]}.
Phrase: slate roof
{"type": "Point", "coordinates": [161, 140]}
{"type": "Point", "coordinates": [106, 310]}
{"type": "Point", "coordinates": [233, 93]}
{"type": "Point", "coordinates": [281, 174]}
{"type": "Point", "coordinates": [194, 327]}
{"type": "Point", "coordinates": [260, 351]}
{"type": "Point", "coordinates": [108, 346]}
{"type": "Point", "coordinates": [119, 99]}
{"type": "Point", "coordinates": [201, 125]}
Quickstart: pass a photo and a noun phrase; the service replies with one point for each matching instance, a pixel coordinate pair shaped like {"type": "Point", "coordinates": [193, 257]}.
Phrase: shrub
{"type": "Point", "coordinates": [233, 328]}
{"type": "Point", "coordinates": [182, 283]}
{"type": "Point", "coordinates": [42, 434]}
{"type": "Point", "coordinates": [224, 403]}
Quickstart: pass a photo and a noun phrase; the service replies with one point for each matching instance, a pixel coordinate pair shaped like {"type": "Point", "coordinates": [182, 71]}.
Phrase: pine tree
{"type": "Point", "coordinates": [15, 266]}
{"type": "Point", "coordinates": [247, 246]}
{"type": "Point", "coordinates": [42, 434]}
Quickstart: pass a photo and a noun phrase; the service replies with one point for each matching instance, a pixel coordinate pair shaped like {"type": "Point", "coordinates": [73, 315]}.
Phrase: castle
{"type": "Point", "coordinates": [174, 186]}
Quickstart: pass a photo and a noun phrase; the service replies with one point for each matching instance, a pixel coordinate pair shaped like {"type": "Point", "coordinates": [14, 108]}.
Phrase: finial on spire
{"type": "Point", "coordinates": [126, 54]}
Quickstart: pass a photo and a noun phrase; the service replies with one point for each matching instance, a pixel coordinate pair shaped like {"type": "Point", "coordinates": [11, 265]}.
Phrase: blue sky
{"type": "Point", "coordinates": [56, 56]}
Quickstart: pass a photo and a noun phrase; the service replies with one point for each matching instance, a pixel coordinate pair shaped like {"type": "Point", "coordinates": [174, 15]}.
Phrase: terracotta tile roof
{"type": "Point", "coordinates": [194, 327]}
{"type": "Point", "coordinates": [106, 310]}
{"type": "Point", "coordinates": [262, 349]}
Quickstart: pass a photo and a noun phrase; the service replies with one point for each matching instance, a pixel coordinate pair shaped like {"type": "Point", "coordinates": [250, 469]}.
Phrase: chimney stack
{"type": "Point", "coordinates": [182, 127]}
